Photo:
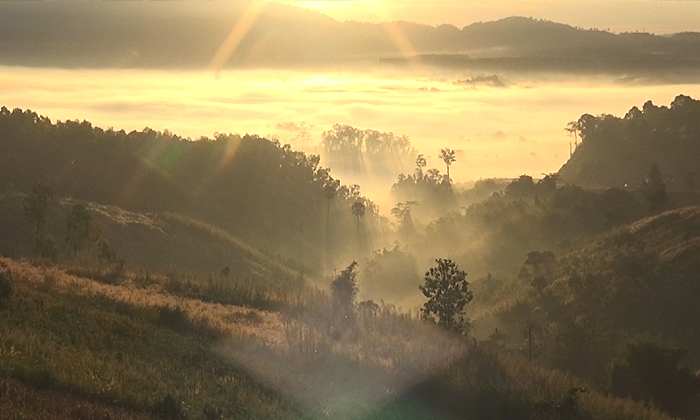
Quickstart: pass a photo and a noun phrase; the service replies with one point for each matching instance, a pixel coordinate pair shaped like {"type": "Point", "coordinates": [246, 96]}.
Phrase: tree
{"type": "Point", "coordinates": [358, 209]}
{"type": "Point", "coordinates": [402, 213]}
{"type": "Point", "coordinates": [655, 189]}
{"type": "Point", "coordinates": [36, 210]}
{"type": "Point", "coordinates": [329, 191]}
{"type": "Point", "coordinates": [447, 290]}
{"type": "Point", "coordinates": [420, 164]}
{"type": "Point", "coordinates": [572, 128]}
{"type": "Point", "coordinates": [80, 232]}
{"type": "Point", "coordinates": [448, 156]}
{"type": "Point", "coordinates": [344, 288]}
{"type": "Point", "coordinates": [538, 269]}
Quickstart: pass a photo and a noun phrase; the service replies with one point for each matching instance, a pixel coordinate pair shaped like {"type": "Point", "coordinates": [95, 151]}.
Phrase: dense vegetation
{"type": "Point", "coordinates": [260, 190]}
{"type": "Point", "coordinates": [154, 288]}
{"type": "Point", "coordinates": [617, 152]}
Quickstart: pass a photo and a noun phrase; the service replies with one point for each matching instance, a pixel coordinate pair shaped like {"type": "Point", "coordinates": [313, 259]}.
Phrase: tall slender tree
{"type": "Point", "coordinates": [330, 190]}
{"type": "Point", "coordinates": [358, 209]}
{"type": "Point", "coordinates": [449, 157]}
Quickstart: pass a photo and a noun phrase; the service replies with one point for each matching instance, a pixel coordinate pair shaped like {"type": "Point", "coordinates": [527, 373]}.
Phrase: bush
{"type": "Point", "coordinates": [48, 248]}
{"type": "Point", "coordinates": [174, 318]}
{"type": "Point", "coordinates": [648, 371]}
{"type": "Point", "coordinates": [172, 408]}
{"type": "Point", "coordinates": [212, 413]}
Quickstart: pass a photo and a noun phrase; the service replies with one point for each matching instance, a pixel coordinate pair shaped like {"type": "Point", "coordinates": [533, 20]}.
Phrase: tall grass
{"type": "Point", "coordinates": [139, 344]}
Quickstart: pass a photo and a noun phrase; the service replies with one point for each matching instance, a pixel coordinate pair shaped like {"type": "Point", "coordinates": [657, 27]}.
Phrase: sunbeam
{"type": "Point", "coordinates": [234, 38]}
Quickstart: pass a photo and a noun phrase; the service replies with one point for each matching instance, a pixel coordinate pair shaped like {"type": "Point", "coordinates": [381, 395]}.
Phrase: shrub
{"type": "Point", "coordinates": [172, 408]}
{"type": "Point", "coordinates": [649, 371]}
{"type": "Point", "coordinates": [212, 413]}
{"type": "Point", "coordinates": [174, 318]}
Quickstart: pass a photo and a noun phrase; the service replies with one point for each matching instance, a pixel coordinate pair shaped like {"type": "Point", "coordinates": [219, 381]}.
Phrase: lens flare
{"type": "Point", "coordinates": [237, 34]}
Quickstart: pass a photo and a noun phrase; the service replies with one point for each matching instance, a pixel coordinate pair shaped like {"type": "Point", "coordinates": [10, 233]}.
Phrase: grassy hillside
{"type": "Point", "coordinates": [155, 241]}
{"type": "Point", "coordinates": [145, 350]}
{"type": "Point", "coordinates": [638, 280]}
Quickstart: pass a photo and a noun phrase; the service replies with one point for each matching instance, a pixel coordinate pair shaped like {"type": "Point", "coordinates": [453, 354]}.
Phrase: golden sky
{"type": "Point", "coordinates": [657, 16]}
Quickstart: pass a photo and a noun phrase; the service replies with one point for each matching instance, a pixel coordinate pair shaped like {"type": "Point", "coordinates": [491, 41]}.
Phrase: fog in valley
{"type": "Point", "coordinates": [350, 209]}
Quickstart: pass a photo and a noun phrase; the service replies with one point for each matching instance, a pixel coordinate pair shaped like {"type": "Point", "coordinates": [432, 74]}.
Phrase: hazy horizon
{"type": "Point", "coordinates": [503, 118]}
{"type": "Point", "coordinates": [657, 17]}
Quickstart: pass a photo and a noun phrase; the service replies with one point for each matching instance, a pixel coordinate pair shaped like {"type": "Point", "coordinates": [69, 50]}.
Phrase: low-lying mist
{"type": "Point", "coordinates": [496, 131]}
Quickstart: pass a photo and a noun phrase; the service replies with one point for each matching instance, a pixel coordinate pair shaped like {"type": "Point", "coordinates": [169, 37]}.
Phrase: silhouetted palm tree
{"type": "Point", "coordinates": [358, 209]}
{"type": "Point", "coordinates": [448, 156]}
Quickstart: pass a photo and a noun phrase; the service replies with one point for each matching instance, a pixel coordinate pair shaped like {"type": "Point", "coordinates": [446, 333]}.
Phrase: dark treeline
{"type": "Point", "coordinates": [614, 151]}
{"type": "Point", "coordinates": [268, 194]}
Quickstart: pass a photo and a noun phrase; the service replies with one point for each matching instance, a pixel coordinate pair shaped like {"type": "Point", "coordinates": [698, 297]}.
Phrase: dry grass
{"type": "Point", "coordinates": [18, 401]}
{"type": "Point", "coordinates": [375, 363]}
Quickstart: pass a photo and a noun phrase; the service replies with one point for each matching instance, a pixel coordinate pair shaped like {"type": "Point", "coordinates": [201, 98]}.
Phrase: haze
{"type": "Point", "coordinates": [659, 17]}
{"type": "Point", "coordinates": [285, 72]}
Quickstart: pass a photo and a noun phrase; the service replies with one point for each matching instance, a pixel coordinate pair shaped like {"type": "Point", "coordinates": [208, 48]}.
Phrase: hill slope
{"type": "Point", "coordinates": [616, 151]}
{"type": "Point", "coordinates": [140, 352]}
{"type": "Point", "coordinates": [155, 241]}
{"type": "Point", "coordinates": [638, 280]}
{"type": "Point", "coordinates": [263, 192]}
{"type": "Point", "coordinates": [289, 36]}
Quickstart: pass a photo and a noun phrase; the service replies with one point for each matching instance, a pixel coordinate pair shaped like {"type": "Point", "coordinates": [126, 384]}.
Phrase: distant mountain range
{"type": "Point", "coordinates": [188, 35]}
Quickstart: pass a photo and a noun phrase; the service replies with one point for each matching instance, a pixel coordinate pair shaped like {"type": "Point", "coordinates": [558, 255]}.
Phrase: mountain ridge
{"type": "Point", "coordinates": [289, 36]}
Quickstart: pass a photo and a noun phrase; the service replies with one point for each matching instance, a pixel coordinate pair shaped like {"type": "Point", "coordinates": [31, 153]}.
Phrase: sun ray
{"type": "Point", "coordinates": [398, 37]}
{"type": "Point", "coordinates": [402, 43]}
{"type": "Point", "coordinates": [234, 38]}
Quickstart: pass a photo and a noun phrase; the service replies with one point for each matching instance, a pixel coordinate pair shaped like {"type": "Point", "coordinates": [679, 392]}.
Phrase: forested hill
{"type": "Point", "coordinates": [264, 192]}
{"type": "Point", "coordinates": [188, 35]}
{"type": "Point", "coordinates": [616, 152]}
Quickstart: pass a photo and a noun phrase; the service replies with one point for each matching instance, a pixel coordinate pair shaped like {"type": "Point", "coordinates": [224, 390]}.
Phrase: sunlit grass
{"type": "Point", "coordinates": [135, 342]}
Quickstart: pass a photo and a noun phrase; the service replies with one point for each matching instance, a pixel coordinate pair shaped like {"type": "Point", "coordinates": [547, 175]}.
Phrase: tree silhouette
{"type": "Point", "coordinates": [329, 192]}
{"type": "Point", "coordinates": [36, 210]}
{"type": "Point", "coordinates": [420, 164]}
{"type": "Point", "coordinates": [402, 213]}
{"type": "Point", "coordinates": [655, 189]}
{"type": "Point", "coordinates": [572, 128]}
{"type": "Point", "coordinates": [447, 290]}
{"type": "Point", "coordinates": [448, 156]}
{"type": "Point", "coordinates": [344, 288]}
{"type": "Point", "coordinates": [358, 209]}
{"type": "Point", "coordinates": [80, 232]}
